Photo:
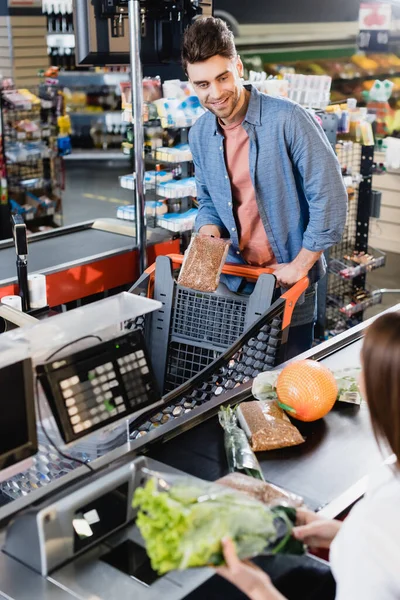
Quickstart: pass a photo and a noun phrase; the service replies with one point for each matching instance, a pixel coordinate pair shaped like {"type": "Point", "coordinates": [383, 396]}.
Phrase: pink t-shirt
{"type": "Point", "coordinates": [253, 241]}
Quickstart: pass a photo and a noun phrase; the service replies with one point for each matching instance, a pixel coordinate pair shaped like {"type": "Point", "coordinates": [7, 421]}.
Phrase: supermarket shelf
{"type": "Point", "coordinates": [42, 220]}
{"type": "Point", "coordinates": [374, 296]}
{"type": "Point", "coordinates": [349, 269]}
{"type": "Point", "coordinates": [166, 156]}
{"type": "Point", "coordinates": [97, 155]}
{"type": "Point", "coordinates": [89, 116]}
{"type": "Point", "coordinates": [83, 79]}
{"type": "Point", "coordinates": [367, 76]}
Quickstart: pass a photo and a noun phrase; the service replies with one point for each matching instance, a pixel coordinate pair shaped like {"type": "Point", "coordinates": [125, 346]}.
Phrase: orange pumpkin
{"type": "Point", "coordinates": [307, 390]}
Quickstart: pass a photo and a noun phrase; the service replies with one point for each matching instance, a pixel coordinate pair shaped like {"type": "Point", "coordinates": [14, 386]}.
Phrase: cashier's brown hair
{"type": "Point", "coordinates": [205, 38]}
{"type": "Point", "coordinates": [381, 369]}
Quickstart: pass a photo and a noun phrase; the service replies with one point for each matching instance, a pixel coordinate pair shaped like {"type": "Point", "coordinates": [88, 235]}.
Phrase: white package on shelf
{"type": "Point", "coordinates": [127, 213]}
{"type": "Point", "coordinates": [174, 112]}
{"type": "Point", "coordinates": [312, 91]}
{"type": "Point", "coordinates": [178, 188]}
{"type": "Point", "coordinates": [153, 208]}
{"type": "Point", "coordinates": [151, 178]}
{"type": "Point", "coordinates": [178, 222]}
{"type": "Point", "coordinates": [127, 182]}
{"type": "Point", "coordinates": [177, 154]}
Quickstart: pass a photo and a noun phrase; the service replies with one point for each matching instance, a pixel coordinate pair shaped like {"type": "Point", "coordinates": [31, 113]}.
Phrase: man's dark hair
{"type": "Point", "coordinates": [205, 38]}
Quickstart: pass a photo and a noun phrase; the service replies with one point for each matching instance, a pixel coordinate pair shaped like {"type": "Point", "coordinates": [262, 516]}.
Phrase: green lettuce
{"type": "Point", "coordinates": [183, 526]}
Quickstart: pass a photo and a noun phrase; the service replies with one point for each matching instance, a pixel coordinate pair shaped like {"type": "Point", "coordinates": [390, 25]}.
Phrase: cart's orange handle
{"type": "Point", "coordinates": [291, 295]}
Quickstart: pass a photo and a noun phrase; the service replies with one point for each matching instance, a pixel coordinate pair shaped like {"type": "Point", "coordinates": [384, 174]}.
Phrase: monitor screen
{"type": "Point", "coordinates": [18, 439]}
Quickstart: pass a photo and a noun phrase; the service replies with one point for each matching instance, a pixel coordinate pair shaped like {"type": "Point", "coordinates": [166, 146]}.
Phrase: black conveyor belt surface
{"type": "Point", "coordinates": [339, 450]}
{"type": "Point", "coordinates": [49, 253]}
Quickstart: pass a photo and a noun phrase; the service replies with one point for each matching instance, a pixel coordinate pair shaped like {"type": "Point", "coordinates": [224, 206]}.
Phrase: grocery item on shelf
{"type": "Point", "coordinates": [361, 299]}
{"type": "Point", "coordinates": [151, 179]}
{"type": "Point", "coordinates": [357, 263]}
{"type": "Point", "coordinates": [151, 91]}
{"type": "Point", "coordinates": [20, 152]}
{"type": "Point", "coordinates": [127, 181]}
{"type": "Point", "coordinates": [177, 188]}
{"type": "Point", "coordinates": [179, 153]}
{"type": "Point", "coordinates": [312, 91]}
{"type": "Point", "coordinates": [175, 112]}
{"type": "Point", "coordinates": [153, 208]}
{"type": "Point", "coordinates": [174, 88]}
{"type": "Point", "coordinates": [178, 221]}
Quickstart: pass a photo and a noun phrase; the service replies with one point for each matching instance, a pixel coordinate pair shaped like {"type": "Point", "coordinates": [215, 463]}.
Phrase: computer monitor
{"type": "Point", "coordinates": [18, 438]}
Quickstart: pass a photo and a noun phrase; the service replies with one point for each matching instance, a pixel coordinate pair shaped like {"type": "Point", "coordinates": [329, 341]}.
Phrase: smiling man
{"type": "Point", "coordinates": [266, 174]}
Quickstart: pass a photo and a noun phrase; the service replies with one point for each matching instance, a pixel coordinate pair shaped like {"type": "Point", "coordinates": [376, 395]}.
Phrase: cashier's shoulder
{"type": "Point", "coordinates": [384, 479]}
{"type": "Point", "coordinates": [380, 508]}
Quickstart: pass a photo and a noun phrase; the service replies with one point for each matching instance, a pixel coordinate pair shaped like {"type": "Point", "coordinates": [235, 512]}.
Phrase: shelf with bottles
{"type": "Point", "coordinates": [357, 263]}
{"type": "Point", "coordinates": [60, 33]}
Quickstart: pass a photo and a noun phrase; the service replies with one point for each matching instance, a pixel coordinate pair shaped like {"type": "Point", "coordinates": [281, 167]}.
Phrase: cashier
{"type": "Point", "coordinates": [266, 175]}
{"type": "Point", "coordinates": [365, 548]}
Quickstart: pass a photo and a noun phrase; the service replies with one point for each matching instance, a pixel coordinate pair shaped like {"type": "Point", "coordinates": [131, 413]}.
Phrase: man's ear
{"type": "Point", "coordinates": [239, 66]}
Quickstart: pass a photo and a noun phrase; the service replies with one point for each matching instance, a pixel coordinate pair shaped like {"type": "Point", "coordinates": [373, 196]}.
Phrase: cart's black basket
{"type": "Point", "coordinates": [193, 328]}
{"type": "Point", "coordinates": [260, 347]}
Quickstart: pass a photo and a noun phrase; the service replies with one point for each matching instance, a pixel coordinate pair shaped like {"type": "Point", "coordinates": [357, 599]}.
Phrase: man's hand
{"type": "Point", "coordinates": [313, 530]}
{"type": "Point", "coordinates": [210, 230]}
{"type": "Point", "coordinates": [287, 274]}
{"type": "Point", "coordinates": [246, 576]}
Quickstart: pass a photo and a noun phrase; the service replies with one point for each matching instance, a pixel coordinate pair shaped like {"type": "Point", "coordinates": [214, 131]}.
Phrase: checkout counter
{"type": "Point", "coordinates": [95, 256]}
{"type": "Point", "coordinates": [44, 553]}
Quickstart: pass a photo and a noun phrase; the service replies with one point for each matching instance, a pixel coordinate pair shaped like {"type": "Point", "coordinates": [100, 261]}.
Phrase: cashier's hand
{"type": "Point", "coordinates": [250, 579]}
{"type": "Point", "coordinates": [313, 530]}
{"type": "Point", "coordinates": [287, 274]}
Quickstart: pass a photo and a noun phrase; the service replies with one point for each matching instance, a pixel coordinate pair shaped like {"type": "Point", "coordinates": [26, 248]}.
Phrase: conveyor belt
{"type": "Point", "coordinates": [85, 259]}
{"type": "Point", "coordinates": [53, 252]}
{"type": "Point", "coordinates": [71, 245]}
{"type": "Point", "coordinates": [339, 450]}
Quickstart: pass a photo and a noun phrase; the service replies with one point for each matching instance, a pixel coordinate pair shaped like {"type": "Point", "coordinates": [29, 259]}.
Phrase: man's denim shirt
{"type": "Point", "coordinates": [300, 193]}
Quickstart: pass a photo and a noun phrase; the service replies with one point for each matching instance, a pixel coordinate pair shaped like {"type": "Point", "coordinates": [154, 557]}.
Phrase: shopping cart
{"type": "Point", "coordinates": [203, 344]}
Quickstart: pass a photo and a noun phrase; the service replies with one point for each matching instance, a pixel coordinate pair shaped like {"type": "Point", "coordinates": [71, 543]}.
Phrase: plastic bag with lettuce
{"type": "Point", "coordinates": [183, 520]}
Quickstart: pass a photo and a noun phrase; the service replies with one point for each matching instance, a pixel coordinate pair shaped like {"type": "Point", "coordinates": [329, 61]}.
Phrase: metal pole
{"type": "Point", "coordinates": [137, 120]}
